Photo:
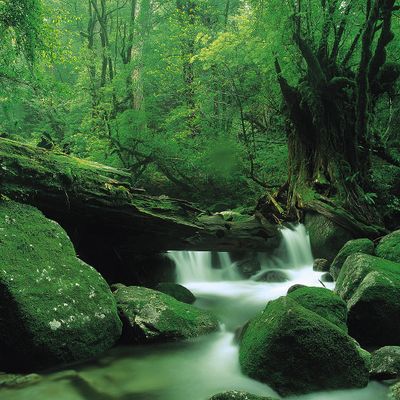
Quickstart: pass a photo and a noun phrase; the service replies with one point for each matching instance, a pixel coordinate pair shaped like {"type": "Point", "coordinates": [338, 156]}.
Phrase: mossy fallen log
{"type": "Point", "coordinates": [99, 209]}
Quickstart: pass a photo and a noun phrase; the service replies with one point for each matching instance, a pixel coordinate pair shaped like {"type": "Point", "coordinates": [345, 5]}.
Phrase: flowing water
{"type": "Point", "coordinates": [197, 369]}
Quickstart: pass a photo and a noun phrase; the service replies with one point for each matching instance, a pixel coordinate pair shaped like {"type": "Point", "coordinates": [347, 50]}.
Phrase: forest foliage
{"type": "Point", "coordinates": [186, 95]}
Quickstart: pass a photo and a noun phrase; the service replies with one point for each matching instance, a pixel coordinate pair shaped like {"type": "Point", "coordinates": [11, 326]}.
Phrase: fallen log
{"type": "Point", "coordinates": [99, 209]}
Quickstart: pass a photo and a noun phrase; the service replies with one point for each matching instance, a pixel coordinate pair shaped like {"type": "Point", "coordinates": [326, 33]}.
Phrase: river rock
{"type": "Point", "coordinates": [365, 246]}
{"type": "Point", "coordinates": [237, 395]}
{"type": "Point", "coordinates": [371, 288]}
{"type": "Point", "coordinates": [54, 308]}
{"type": "Point", "coordinates": [177, 291]}
{"type": "Point", "coordinates": [295, 287]}
{"type": "Point", "coordinates": [296, 351]}
{"type": "Point", "coordinates": [152, 316]}
{"type": "Point", "coordinates": [325, 236]}
{"type": "Point", "coordinates": [249, 266]}
{"type": "Point", "coordinates": [389, 247]}
{"type": "Point", "coordinates": [323, 302]}
{"type": "Point", "coordinates": [321, 265]}
{"type": "Point", "coordinates": [385, 363]}
{"type": "Point", "coordinates": [272, 276]}
{"type": "Point", "coordinates": [327, 277]}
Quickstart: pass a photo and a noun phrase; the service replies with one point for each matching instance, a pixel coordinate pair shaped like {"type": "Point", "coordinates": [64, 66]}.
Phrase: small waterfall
{"type": "Point", "coordinates": [296, 247]}
{"type": "Point", "coordinates": [196, 266]}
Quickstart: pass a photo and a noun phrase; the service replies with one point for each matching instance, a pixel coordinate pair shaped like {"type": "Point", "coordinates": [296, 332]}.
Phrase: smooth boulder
{"type": "Point", "coordinates": [272, 276]}
{"type": "Point", "coordinates": [371, 288]}
{"type": "Point", "coordinates": [385, 363]}
{"type": "Point", "coordinates": [389, 247]}
{"type": "Point", "coordinates": [54, 308]}
{"type": "Point", "coordinates": [365, 246]}
{"type": "Point", "coordinates": [296, 351]}
{"type": "Point", "coordinates": [249, 266]}
{"type": "Point", "coordinates": [323, 302]}
{"type": "Point", "coordinates": [176, 291]}
{"type": "Point", "coordinates": [152, 316]}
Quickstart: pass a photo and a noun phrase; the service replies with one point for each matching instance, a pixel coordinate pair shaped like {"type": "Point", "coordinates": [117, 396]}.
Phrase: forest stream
{"type": "Point", "coordinates": [200, 368]}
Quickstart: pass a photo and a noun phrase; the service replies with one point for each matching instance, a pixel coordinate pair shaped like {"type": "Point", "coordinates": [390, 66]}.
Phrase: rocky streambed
{"type": "Point", "coordinates": [66, 334]}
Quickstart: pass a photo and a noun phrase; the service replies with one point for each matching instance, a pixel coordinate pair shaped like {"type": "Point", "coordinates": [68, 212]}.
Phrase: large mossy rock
{"type": "Point", "coordinates": [54, 308]}
{"type": "Point", "coordinates": [389, 247]}
{"type": "Point", "coordinates": [326, 237]}
{"type": "Point", "coordinates": [176, 291]}
{"type": "Point", "coordinates": [394, 393]}
{"type": "Point", "coordinates": [385, 363]}
{"type": "Point", "coordinates": [152, 316]}
{"type": "Point", "coordinates": [323, 302]}
{"type": "Point", "coordinates": [365, 246]}
{"type": "Point", "coordinates": [371, 288]}
{"type": "Point", "coordinates": [296, 351]}
{"type": "Point", "coordinates": [237, 395]}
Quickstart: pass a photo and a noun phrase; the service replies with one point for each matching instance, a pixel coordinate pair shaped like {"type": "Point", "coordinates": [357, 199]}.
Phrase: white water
{"type": "Point", "coordinates": [197, 369]}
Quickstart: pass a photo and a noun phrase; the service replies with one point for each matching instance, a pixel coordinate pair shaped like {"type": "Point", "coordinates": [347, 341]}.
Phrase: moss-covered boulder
{"type": "Point", "coordinates": [296, 351]}
{"type": "Point", "coordinates": [237, 395]}
{"type": "Point", "coordinates": [152, 316]}
{"type": "Point", "coordinates": [365, 246]}
{"type": "Point", "coordinates": [389, 247]}
{"type": "Point", "coordinates": [177, 291]}
{"type": "Point", "coordinates": [371, 288]}
{"type": "Point", "coordinates": [323, 302]}
{"type": "Point", "coordinates": [394, 392]}
{"type": "Point", "coordinates": [327, 277]}
{"type": "Point", "coordinates": [385, 363]}
{"type": "Point", "coordinates": [54, 308]}
{"type": "Point", "coordinates": [326, 237]}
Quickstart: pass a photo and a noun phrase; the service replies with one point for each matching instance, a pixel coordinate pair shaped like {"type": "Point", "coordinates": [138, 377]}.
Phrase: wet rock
{"type": "Point", "coordinates": [371, 288]}
{"type": "Point", "coordinates": [249, 266]}
{"type": "Point", "coordinates": [237, 395]}
{"type": "Point", "coordinates": [321, 265]}
{"type": "Point", "coordinates": [116, 286]}
{"type": "Point", "coordinates": [327, 277]}
{"type": "Point", "coordinates": [389, 247]}
{"type": "Point", "coordinates": [272, 276]}
{"type": "Point", "coordinates": [177, 291]}
{"type": "Point", "coordinates": [365, 246]}
{"type": "Point", "coordinates": [152, 316]}
{"type": "Point", "coordinates": [323, 302]}
{"type": "Point", "coordinates": [54, 308]}
{"type": "Point", "coordinates": [287, 346]}
{"type": "Point", "coordinates": [385, 363]}
{"type": "Point", "coordinates": [325, 236]}
{"type": "Point", "coordinates": [295, 287]}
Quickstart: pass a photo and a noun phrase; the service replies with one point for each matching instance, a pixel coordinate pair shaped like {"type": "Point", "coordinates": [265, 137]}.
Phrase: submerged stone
{"type": "Point", "coordinates": [327, 277]}
{"type": "Point", "coordinates": [54, 308]}
{"type": "Point", "coordinates": [296, 351]}
{"type": "Point", "coordinates": [371, 288]}
{"type": "Point", "coordinates": [249, 266]}
{"type": "Point", "coordinates": [272, 276]}
{"type": "Point", "coordinates": [152, 316]}
{"type": "Point", "coordinates": [389, 247]}
{"type": "Point", "coordinates": [177, 291]}
{"type": "Point", "coordinates": [365, 246]}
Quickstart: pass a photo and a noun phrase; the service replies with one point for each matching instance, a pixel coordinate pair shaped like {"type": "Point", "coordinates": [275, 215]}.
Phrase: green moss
{"type": "Point", "coordinates": [236, 395]}
{"type": "Point", "coordinates": [54, 307]}
{"type": "Point", "coordinates": [288, 346]}
{"type": "Point", "coordinates": [365, 246]}
{"type": "Point", "coordinates": [323, 302]}
{"type": "Point", "coordinates": [389, 247]}
{"type": "Point", "coordinates": [150, 315]}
